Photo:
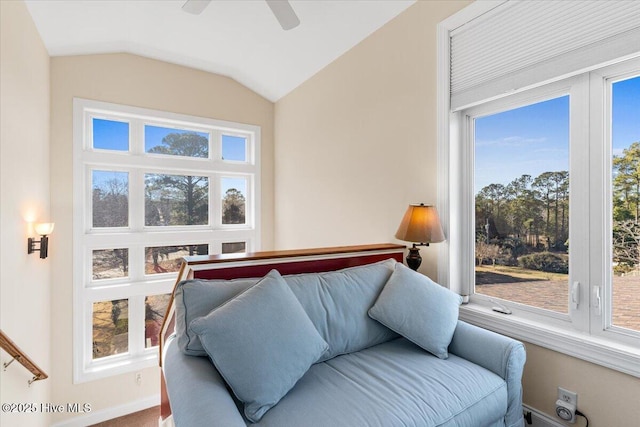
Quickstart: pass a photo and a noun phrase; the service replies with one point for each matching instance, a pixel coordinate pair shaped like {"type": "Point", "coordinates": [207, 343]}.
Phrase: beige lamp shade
{"type": "Point", "coordinates": [44, 228]}
{"type": "Point", "coordinates": [420, 224]}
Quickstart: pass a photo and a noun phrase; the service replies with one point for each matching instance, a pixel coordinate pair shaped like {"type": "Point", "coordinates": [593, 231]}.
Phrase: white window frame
{"type": "Point", "coordinates": [600, 90]}
{"type": "Point", "coordinates": [583, 334]}
{"type": "Point", "coordinates": [575, 88]}
{"type": "Point", "coordinates": [136, 236]}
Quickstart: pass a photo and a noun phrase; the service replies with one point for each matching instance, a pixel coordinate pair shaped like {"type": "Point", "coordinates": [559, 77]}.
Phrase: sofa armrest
{"type": "Point", "coordinates": [197, 393]}
{"type": "Point", "coordinates": [501, 355]}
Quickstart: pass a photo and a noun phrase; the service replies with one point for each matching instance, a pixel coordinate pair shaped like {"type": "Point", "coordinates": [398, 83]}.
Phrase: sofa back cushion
{"type": "Point", "coordinates": [196, 298]}
{"type": "Point", "coordinates": [337, 303]}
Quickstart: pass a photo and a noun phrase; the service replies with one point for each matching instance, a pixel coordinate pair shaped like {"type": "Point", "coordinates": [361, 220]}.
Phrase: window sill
{"type": "Point", "coordinates": [109, 368]}
{"type": "Point", "coordinates": [603, 352]}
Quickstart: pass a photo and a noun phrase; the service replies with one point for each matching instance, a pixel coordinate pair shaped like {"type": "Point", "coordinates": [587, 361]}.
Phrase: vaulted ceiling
{"type": "Point", "coordinates": [240, 39]}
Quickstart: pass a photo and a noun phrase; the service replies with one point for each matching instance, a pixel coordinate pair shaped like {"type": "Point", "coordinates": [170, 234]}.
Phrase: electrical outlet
{"type": "Point", "coordinates": [138, 378]}
{"type": "Point", "coordinates": [567, 396]}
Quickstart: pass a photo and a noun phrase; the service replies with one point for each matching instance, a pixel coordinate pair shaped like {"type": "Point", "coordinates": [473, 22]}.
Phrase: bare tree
{"type": "Point", "coordinates": [487, 251]}
{"type": "Point", "coordinates": [111, 202]}
{"type": "Point", "coordinates": [626, 241]}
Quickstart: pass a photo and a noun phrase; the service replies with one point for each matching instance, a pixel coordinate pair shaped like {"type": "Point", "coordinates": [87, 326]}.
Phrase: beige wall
{"type": "Point", "coordinates": [609, 398]}
{"type": "Point", "coordinates": [136, 81]}
{"type": "Point", "coordinates": [25, 285]}
{"type": "Point", "coordinates": [357, 142]}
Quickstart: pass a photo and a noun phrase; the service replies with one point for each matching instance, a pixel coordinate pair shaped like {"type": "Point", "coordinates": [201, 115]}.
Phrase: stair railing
{"type": "Point", "coordinates": [17, 354]}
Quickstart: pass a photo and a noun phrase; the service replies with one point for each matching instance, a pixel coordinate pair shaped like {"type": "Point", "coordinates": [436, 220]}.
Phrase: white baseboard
{"type": "Point", "coordinates": [541, 419]}
{"type": "Point", "coordinates": [110, 413]}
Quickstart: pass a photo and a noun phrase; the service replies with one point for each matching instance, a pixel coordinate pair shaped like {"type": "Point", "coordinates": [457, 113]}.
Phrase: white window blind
{"type": "Point", "coordinates": [519, 44]}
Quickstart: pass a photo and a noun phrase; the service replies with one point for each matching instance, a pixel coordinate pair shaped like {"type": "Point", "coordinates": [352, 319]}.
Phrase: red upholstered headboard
{"type": "Point", "coordinates": [286, 266]}
{"type": "Point", "coordinates": [257, 264]}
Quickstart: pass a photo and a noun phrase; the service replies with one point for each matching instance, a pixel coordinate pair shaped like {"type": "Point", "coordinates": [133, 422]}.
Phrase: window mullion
{"type": "Point", "coordinates": [136, 224]}
{"type": "Point", "coordinates": [466, 227]}
{"type": "Point", "coordinates": [136, 200]}
{"type": "Point", "coordinates": [136, 324]}
{"type": "Point", "coordinates": [580, 181]}
{"type": "Point", "coordinates": [136, 137]}
{"type": "Point", "coordinates": [215, 207]}
{"type": "Point", "coordinates": [215, 146]}
{"type": "Point", "coordinates": [600, 211]}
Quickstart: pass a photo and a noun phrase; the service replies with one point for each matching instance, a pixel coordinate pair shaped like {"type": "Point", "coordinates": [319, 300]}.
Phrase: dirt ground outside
{"type": "Point", "coordinates": [551, 292]}
{"type": "Point", "coordinates": [113, 263]}
{"type": "Point", "coordinates": [110, 328]}
{"type": "Point", "coordinates": [111, 324]}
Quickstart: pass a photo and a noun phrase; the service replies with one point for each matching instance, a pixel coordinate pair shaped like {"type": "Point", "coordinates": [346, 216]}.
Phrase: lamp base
{"type": "Point", "coordinates": [414, 259]}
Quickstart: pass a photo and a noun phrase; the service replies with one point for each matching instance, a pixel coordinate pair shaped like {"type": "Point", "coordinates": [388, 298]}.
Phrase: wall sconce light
{"type": "Point", "coordinates": [43, 229]}
{"type": "Point", "coordinates": [420, 224]}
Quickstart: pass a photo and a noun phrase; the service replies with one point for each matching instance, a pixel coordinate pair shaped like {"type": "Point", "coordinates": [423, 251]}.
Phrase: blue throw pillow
{"type": "Point", "coordinates": [262, 342]}
{"type": "Point", "coordinates": [419, 309]}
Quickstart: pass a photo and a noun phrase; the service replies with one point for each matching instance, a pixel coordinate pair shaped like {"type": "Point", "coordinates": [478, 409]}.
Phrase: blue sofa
{"type": "Point", "coordinates": [359, 371]}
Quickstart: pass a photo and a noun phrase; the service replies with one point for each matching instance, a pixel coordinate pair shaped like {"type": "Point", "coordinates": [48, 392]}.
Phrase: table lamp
{"type": "Point", "coordinates": [420, 225]}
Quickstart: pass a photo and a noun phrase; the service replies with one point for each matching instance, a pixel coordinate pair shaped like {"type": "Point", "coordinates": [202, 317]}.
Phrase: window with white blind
{"type": "Point", "coordinates": [519, 44]}
{"type": "Point", "coordinates": [150, 187]}
{"type": "Point", "coordinates": [540, 134]}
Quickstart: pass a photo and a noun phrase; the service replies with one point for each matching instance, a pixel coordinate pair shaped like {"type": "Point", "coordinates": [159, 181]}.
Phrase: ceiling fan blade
{"type": "Point", "coordinates": [195, 6]}
{"type": "Point", "coordinates": [284, 13]}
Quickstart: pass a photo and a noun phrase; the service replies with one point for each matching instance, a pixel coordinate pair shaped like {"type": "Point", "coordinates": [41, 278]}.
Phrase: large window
{"type": "Point", "coordinates": [554, 211]}
{"type": "Point", "coordinates": [522, 204]}
{"type": "Point", "coordinates": [624, 119]}
{"type": "Point", "coordinates": [150, 187]}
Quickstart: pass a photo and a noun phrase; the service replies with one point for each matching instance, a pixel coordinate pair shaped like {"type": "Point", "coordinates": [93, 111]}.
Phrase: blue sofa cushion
{"type": "Point", "coordinates": [262, 342]}
{"type": "Point", "coordinates": [196, 298]}
{"type": "Point", "coordinates": [337, 303]}
{"type": "Point", "coordinates": [394, 384]}
{"type": "Point", "coordinates": [418, 309]}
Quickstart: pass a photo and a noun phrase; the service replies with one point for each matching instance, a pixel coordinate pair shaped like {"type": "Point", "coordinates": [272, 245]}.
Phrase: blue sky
{"type": "Point", "coordinates": [234, 148]}
{"type": "Point", "coordinates": [153, 136]}
{"type": "Point", "coordinates": [114, 135]}
{"type": "Point", "coordinates": [110, 135]}
{"type": "Point", "coordinates": [528, 140]}
{"type": "Point", "coordinates": [535, 139]}
{"type": "Point", "coordinates": [239, 184]}
{"type": "Point", "coordinates": [626, 114]}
